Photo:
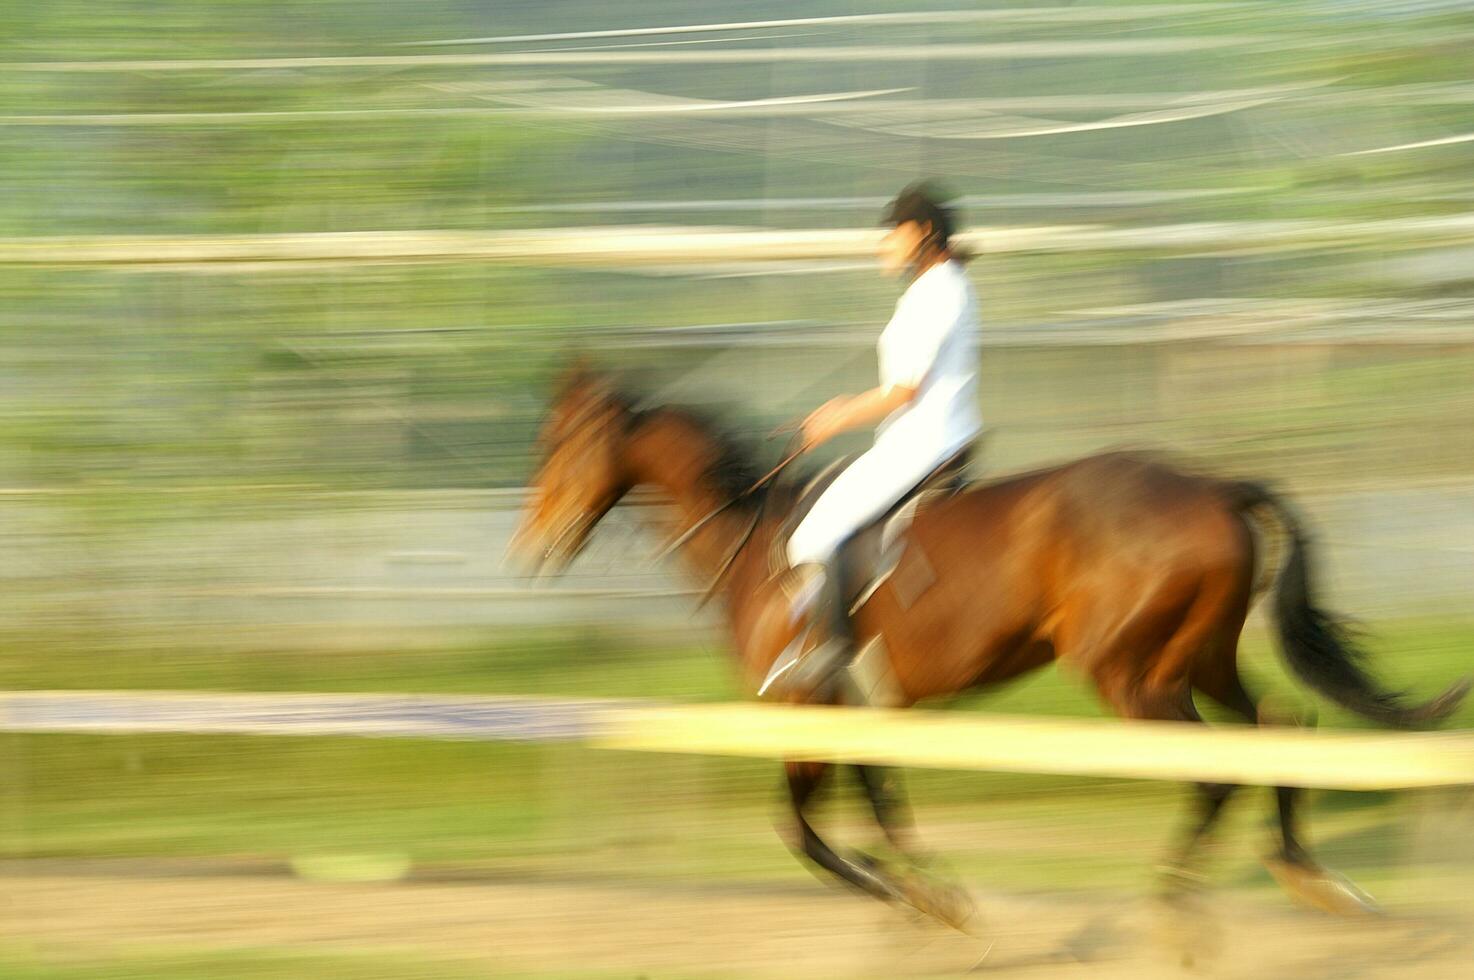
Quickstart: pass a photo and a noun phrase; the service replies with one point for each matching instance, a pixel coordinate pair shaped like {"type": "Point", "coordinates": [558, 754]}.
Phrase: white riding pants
{"type": "Point", "coordinates": [867, 488]}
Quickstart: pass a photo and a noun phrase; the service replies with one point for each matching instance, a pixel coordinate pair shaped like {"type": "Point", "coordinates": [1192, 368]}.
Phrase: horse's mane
{"type": "Point", "coordinates": [732, 470]}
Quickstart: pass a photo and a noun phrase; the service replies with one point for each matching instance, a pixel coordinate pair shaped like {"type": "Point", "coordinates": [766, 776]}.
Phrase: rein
{"type": "Point", "coordinates": [746, 536]}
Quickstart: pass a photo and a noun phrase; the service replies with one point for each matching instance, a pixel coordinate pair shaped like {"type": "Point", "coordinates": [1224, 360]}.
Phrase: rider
{"type": "Point", "coordinates": [926, 405]}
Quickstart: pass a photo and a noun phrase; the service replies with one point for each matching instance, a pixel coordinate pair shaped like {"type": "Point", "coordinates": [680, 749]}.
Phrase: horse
{"type": "Point", "coordinates": [1129, 568]}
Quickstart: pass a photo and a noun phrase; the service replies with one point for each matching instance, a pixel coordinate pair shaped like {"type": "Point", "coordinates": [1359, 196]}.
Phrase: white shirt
{"type": "Point", "coordinates": [931, 344]}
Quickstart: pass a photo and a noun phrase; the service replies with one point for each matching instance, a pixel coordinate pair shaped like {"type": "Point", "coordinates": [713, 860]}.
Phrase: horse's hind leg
{"type": "Point", "coordinates": [1180, 870]}
{"type": "Point", "coordinates": [1228, 691]}
{"type": "Point", "coordinates": [1189, 927]}
{"type": "Point", "coordinates": [1292, 865]}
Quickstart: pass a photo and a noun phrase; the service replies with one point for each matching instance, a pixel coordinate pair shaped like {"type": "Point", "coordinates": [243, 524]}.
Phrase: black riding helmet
{"type": "Point", "coordinates": [924, 204]}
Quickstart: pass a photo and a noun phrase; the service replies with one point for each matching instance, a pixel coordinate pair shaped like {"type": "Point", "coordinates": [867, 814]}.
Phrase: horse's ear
{"type": "Point", "coordinates": [578, 372]}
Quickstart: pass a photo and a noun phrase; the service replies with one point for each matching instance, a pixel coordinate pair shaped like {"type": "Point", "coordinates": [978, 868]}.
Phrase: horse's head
{"type": "Point", "coordinates": [582, 474]}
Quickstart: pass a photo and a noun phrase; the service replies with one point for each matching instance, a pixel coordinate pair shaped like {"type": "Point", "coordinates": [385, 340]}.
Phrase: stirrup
{"type": "Point", "coordinates": [787, 660]}
{"type": "Point", "coordinates": [812, 671]}
{"type": "Point", "coordinates": [821, 600]}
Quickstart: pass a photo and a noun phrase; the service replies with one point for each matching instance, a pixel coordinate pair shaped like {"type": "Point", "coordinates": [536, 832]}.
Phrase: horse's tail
{"type": "Point", "coordinates": [1320, 647]}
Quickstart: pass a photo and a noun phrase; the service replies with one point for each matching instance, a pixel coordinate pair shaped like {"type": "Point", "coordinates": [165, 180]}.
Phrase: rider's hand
{"type": "Point", "coordinates": [824, 422]}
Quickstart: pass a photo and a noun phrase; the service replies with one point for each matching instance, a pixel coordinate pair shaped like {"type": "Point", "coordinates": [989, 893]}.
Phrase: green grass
{"type": "Point", "coordinates": [142, 795]}
{"type": "Point", "coordinates": [243, 964]}
{"type": "Point", "coordinates": [1419, 655]}
{"type": "Point", "coordinates": [521, 662]}
{"type": "Point", "coordinates": [514, 812]}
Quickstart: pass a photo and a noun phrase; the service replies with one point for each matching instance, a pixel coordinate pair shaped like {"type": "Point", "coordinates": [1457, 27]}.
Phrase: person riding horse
{"type": "Point", "coordinates": [927, 408]}
{"type": "Point", "coordinates": [1135, 572]}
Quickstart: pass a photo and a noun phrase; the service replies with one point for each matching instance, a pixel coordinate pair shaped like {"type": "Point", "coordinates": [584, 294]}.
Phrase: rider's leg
{"type": "Point", "coordinates": [817, 670]}
{"type": "Point", "coordinates": [867, 488]}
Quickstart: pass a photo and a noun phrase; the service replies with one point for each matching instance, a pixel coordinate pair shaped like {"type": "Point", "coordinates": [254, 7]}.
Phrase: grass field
{"type": "Point", "coordinates": [164, 795]}
{"type": "Point", "coordinates": [236, 964]}
{"type": "Point", "coordinates": [224, 805]}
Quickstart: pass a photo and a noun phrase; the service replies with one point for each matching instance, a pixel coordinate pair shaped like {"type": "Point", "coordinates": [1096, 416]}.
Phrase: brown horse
{"type": "Point", "coordinates": [1138, 574]}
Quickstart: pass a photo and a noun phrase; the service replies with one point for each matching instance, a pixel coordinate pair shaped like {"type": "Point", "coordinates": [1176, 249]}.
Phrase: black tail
{"type": "Point", "coordinates": [1320, 647]}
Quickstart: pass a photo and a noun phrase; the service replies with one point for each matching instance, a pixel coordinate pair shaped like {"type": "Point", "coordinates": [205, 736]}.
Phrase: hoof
{"type": "Point", "coordinates": [950, 905]}
{"type": "Point", "coordinates": [1175, 881]}
{"type": "Point", "coordinates": [1187, 929]}
{"type": "Point", "coordinates": [1321, 889]}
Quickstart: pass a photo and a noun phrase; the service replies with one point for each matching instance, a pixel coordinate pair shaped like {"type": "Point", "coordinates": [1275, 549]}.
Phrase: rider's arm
{"type": "Point", "coordinates": [855, 411]}
{"type": "Point", "coordinates": [920, 326]}
{"type": "Point", "coordinates": [871, 407]}
{"type": "Point", "coordinates": [920, 330]}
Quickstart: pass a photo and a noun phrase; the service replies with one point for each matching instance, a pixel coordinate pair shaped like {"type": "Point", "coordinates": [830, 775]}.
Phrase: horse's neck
{"type": "Point", "coordinates": [673, 457]}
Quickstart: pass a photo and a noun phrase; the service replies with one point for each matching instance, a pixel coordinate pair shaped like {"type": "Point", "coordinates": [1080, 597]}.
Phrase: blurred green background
{"type": "Point", "coordinates": [300, 475]}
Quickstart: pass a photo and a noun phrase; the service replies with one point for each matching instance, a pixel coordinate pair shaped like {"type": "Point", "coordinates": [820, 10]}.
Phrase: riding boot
{"type": "Point", "coordinates": [815, 672]}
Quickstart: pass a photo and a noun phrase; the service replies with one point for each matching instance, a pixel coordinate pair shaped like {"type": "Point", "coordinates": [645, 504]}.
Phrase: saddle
{"type": "Point", "coordinates": [873, 554]}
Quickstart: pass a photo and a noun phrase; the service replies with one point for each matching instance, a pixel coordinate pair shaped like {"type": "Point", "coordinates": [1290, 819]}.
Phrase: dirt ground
{"type": "Point", "coordinates": [708, 928]}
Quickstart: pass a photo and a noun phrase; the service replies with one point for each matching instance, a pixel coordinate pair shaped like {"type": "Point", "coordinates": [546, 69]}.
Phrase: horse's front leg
{"type": "Point", "coordinates": [946, 901]}
{"type": "Point", "coordinates": [948, 904]}
{"type": "Point", "coordinates": [882, 787]}
{"type": "Point", "coordinates": [804, 778]}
